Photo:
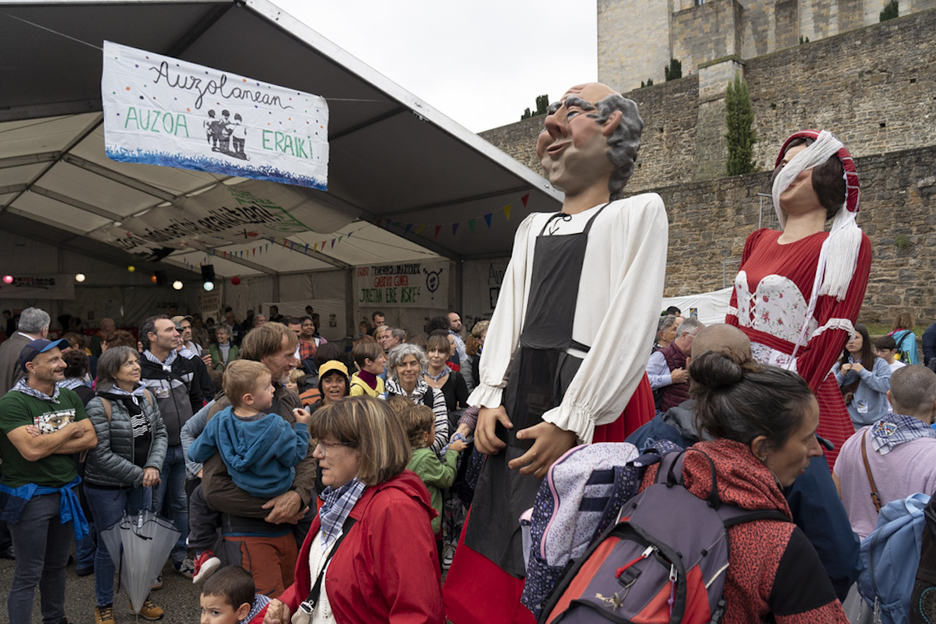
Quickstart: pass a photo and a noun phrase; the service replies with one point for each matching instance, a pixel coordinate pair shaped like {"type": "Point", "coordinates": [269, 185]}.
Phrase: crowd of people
{"type": "Point", "coordinates": [339, 482]}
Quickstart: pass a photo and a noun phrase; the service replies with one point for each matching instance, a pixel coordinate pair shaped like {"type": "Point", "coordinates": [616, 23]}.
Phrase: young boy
{"type": "Point", "coordinates": [419, 424]}
{"type": "Point", "coordinates": [886, 348]}
{"type": "Point", "coordinates": [370, 359]}
{"type": "Point", "coordinates": [229, 597]}
{"type": "Point", "coordinates": [259, 450]}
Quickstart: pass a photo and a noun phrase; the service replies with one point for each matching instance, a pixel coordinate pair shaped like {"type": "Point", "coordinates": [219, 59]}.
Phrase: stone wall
{"type": "Point", "coordinates": [873, 87]}
{"type": "Point", "coordinates": [706, 32]}
{"type": "Point", "coordinates": [626, 60]}
{"type": "Point", "coordinates": [710, 221]}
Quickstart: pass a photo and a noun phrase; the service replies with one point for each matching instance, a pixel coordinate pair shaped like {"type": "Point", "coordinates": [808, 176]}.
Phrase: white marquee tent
{"type": "Point", "coordinates": [398, 169]}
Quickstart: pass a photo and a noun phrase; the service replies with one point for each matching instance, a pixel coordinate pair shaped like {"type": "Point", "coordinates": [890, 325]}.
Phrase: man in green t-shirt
{"type": "Point", "coordinates": [41, 426]}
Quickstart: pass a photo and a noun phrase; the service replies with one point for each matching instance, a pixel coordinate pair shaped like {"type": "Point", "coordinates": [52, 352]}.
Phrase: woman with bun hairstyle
{"type": "Point", "coordinates": [763, 422]}
{"type": "Point", "coordinates": [798, 291]}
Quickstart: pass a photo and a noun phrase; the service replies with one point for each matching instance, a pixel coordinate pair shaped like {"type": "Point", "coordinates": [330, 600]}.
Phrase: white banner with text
{"type": "Point", "coordinates": [162, 111]}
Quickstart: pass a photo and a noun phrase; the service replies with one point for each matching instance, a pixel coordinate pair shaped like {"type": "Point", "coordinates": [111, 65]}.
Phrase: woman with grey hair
{"type": "Point", "coordinates": [667, 329]}
{"type": "Point", "coordinates": [406, 366]}
{"type": "Point", "coordinates": [124, 466]}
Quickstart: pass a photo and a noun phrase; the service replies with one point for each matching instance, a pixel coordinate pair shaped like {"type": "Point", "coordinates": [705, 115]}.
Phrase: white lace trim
{"type": "Point", "coordinates": [835, 323]}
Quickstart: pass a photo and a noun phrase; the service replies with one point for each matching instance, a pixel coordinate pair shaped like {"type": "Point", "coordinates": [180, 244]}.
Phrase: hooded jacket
{"type": "Point", "coordinates": [773, 570]}
{"type": "Point", "coordinates": [386, 570]}
{"type": "Point", "coordinates": [260, 453]}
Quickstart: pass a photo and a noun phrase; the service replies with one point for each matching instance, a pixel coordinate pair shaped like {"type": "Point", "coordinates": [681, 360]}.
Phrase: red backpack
{"type": "Point", "coordinates": [664, 561]}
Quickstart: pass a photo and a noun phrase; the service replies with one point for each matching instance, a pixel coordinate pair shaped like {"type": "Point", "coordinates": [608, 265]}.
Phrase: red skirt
{"type": "Point", "coordinates": [476, 590]}
{"type": "Point", "coordinates": [835, 424]}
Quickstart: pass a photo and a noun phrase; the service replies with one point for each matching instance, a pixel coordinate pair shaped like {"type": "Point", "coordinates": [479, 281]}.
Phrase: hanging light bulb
{"type": "Point", "coordinates": [209, 286]}
{"type": "Point", "coordinates": [7, 279]}
{"type": "Point", "coordinates": [177, 285]}
{"type": "Point", "coordinates": [80, 277]}
{"type": "Point", "coordinates": [131, 268]}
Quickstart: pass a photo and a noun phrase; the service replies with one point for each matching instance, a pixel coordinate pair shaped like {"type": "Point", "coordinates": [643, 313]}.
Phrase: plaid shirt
{"type": "Point", "coordinates": [307, 350]}
{"type": "Point", "coordinates": [338, 504]}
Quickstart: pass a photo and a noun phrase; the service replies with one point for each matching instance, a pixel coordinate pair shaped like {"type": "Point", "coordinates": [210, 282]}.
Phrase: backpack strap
{"type": "Point", "coordinates": [672, 466]}
{"type": "Point", "coordinates": [864, 457]}
{"type": "Point", "coordinates": [108, 408]}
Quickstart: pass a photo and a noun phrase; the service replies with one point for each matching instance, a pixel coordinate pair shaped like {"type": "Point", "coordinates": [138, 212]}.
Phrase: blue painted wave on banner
{"type": "Point", "coordinates": [214, 165]}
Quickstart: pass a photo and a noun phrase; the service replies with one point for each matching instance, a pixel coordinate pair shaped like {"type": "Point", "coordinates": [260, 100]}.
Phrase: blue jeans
{"type": "Point", "coordinates": [42, 546]}
{"type": "Point", "coordinates": [108, 507]}
{"type": "Point", "coordinates": [171, 490]}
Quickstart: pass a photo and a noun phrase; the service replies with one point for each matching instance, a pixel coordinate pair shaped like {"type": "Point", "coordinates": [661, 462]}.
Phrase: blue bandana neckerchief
{"type": "Point", "coordinates": [260, 601]}
{"type": "Point", "coordinates": [896, 429]}
{"type": "Point", "coordinates": [72, 383]}
{"type": "Point", "coordinates": [167, 365]}
{"type": "Point", "coordinates": [22, 386]}
{"type": "Point", "coordinates": [338, 504]}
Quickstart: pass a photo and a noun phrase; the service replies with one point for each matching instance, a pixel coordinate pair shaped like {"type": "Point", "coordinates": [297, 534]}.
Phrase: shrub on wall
{"type": "Point", "coordinates": [673, 71]}
{"type": "Point", "coordinates": [739, 121]}
{"type": "Point", "coordinates": [890, 11]}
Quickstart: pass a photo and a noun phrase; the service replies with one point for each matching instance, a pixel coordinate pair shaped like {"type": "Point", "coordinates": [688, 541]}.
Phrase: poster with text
{"type": "Point", "coordinates": [402, 284]}
{"type": "Point", "coordinates": [162, 111]}
{"type": "Point", "coordinates": [55, 286]}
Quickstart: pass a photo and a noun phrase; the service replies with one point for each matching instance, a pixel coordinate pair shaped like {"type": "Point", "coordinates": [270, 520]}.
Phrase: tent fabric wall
{"type": "Point", "coordinates": [481, 281]}
{"type": "Point", "coordinates": [108, 290]}
{"type": "Point", "coordinates": [708, 307]}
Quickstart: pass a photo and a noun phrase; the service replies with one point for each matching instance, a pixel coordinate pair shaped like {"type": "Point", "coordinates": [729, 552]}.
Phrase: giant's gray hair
{"type": "Point", "coordinates": [33, 320]}
{"type": "Point", "coordinates": [624, 143]}
{"type": "Point", "coordinates": [399, 353]}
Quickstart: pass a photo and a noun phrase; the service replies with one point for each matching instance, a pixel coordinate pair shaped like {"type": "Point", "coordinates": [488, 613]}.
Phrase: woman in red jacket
{"type": "Point", "coordinates": [763, 422]}
{"type": "Point", "coordinates": [370, 555]}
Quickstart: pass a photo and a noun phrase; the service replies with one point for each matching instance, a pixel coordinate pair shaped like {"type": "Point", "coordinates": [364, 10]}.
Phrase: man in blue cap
{"type": "Point", "coordinates": [41, 426]}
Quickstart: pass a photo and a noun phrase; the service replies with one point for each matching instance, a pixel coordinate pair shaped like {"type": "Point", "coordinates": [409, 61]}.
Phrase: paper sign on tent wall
{"type": "Point", "coordinates": [162, 111]}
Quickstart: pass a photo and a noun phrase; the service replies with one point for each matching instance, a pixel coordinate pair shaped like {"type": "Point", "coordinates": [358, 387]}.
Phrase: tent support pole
{"type": "Point", "coordinates": [459, 276]}
{"type": "Point", "coordinates": [349, 301]}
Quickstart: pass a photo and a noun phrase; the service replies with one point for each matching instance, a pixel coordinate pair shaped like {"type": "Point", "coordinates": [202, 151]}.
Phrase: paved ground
{"type": "Point", "coordinates": [179, 598]}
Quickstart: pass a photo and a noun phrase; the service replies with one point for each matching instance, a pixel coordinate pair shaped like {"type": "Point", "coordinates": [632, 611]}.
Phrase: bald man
{"type": "Point", "coordinates": [813, 499]}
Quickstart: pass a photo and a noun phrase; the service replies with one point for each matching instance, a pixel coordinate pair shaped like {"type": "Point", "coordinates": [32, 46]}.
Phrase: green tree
{"type": "Point", "coordinates": [890, 11]}
{"type": "Point", "coordinates": [739, 120]}
{"type": "Point", "coordinates": [673, 71]}
{"type": "Point", "coordinates": [542, 105]}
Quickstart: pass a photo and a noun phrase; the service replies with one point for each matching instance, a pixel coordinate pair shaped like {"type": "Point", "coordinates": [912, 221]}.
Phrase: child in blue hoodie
{"type": "Point", "coordinates": [260, 450]}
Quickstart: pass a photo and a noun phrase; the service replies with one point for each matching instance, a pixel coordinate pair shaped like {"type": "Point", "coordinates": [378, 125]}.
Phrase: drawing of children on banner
{"type": "Point", "coordinates": [211, 130]}
{"type": "Point", "coordinates": [225, 136]}
{"type": "Point", "coordinates": [239, 136]}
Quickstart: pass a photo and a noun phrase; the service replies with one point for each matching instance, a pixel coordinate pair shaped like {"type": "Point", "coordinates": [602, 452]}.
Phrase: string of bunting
{"type": "Point", "coordinates": [437, 227]}
{"type": "Point", "coordinates": [386, 224]}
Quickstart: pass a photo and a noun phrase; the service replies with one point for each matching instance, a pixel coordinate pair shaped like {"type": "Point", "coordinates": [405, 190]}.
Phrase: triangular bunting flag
{"type": "Point", "coordinates": [524, 199]}
{"type": "Point", "coordinates": [267, 247]}
{"type": "Point", "coordinates": [420, 228]}
{"type": "Point", "coordinates": [333, 243]}
{"type": "Point", "coordinates": [323, 245]}
{"type": "Point", "coordinates": [507, 211]}
{"type": "Point", "coordinates": [349, 234]}
{"type": "Point", "coordinates": [340, 237]}
{"type": "Point", "coordinates": [315, 247]}
{"type": "Point", "coordinates": [438, 229]}
{"type": "Point", "coordinates": [471, 223]}
{"type": "Point", "coordinates": [454, 228]}
{"type": "Point", "coordinates": [378, 222]}
{"type": "Point", "coordinates": [487, 219]}
{"type": "Point", "coordinates": [307, 248]}
{"type": "Point", "coordinates": [409, 226]}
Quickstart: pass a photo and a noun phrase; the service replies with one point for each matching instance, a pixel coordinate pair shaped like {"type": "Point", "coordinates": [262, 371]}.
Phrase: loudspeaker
{"type": "Point", "coordinates": [207, 273]}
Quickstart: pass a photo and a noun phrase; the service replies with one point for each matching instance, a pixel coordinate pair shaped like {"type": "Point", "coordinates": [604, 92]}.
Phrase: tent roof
{"type": "Point", "coordinates": [393, 158]}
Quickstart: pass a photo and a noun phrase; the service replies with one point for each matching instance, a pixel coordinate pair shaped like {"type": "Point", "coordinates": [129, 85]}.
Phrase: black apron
{"type": "Point", "coordinates": [539, 377]}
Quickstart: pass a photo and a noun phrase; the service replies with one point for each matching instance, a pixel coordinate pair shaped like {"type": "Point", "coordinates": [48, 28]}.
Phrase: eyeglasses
{"type": "Point", "coordinates": [327, 445]}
